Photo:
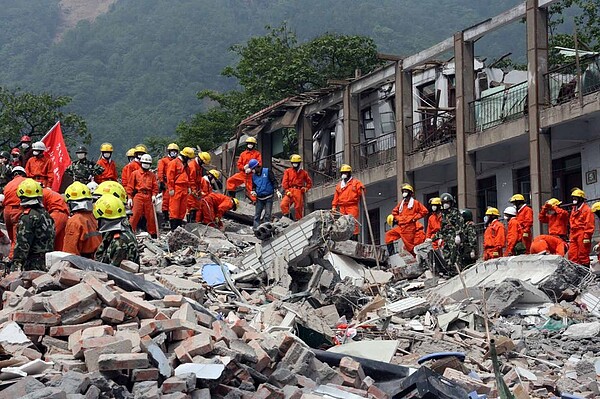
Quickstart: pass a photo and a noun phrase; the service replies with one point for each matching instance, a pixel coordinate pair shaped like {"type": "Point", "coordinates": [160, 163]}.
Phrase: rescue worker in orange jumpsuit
{"type": "Point", "coordinates": [406, 217]}
{"type": "Point", "coordinates": [514, 234]}
{"type": "Point", "coordinates": [347, 195]}
{"type": "Point", "coordinates": [244, 176]}
{"type": "Point", "coordinates": [81, 233]}
{"type": "Point", "coordinates": [596, 211]}
{"type": "Point", "coordinates": [213, 206]}
{"type": "Point", "coordinates": [548, 244]}
{"type": "Point", "coordinates": [40, 167]}
{"type": "Point", "coordinates": [59, 212]}
{"type": "Point", "coordinates": [141, 192]}
{"type": "Point", "coordinates": [434, 222]}
{"type": "Point", "coordinates": [172, 151]}
{"type": "Point", "coordinates": [296, 182]}
{"type": "Point", "coordinates": [12, 206]}
{"type": "Point", "coordinates": [133, 155]}
{"type": "Point", "coordinates": [525, 218]}
{"type": "Point", "coordinates": [197, 172]}
{"type": "Point", "coordinates": [582, 227]}
{"type": "Point", "coordinates": [494, 237]}
{"type": "Point", "coordinates": [26, 149]}
{"type": "Point", "coordinates": [556, 217]}
{"type": "Point", "coordinates": [208, 184]}
{"type": "Point", "coordinates": [106, 162]}
{"type": "Point", "coordinates": [178, 183]}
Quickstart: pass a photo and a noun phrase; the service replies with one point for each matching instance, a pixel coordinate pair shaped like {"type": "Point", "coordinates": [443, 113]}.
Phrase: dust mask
{"type": "Point", "coordinates": [575, 202]}
{"type": "Point", "coordinates": [344, 176]}
{"type": "Point", "coordinates": [434, 208]}
{"type": "Point", "coordinates": [446, 205]}
{"type": "Point", "coordinates": [106, 155]}
{"type": "Point", "coordinates": [80, 155]}
{"type": "Point", "coordinates": [36, 153]}
{"type": "Point", "coordinates": [486, 219]}
{"type": "Point", "coordinates": [295, 165]}
{"type": "Point", "coordinates": [405, 195]}
{"type": "Point", "coordinates": [25, 145]}
{"type": "Point", "coordinates": [250, 146]}
{"type": "Point", "coordinates": [172, 154]}
{"type": "Point", "coordinates": [146, 166]}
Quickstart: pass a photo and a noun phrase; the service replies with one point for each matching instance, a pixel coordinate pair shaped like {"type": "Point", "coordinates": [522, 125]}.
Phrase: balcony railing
{"type": "Point", "coordinates": [564, 84]}
{"type": "Point", "coordinates": [432, 131]}
{"type": "Point", "coordinates": [326, 169]}
{"type": "Point", "coordinates": [374, 152]}
{"type": "Point", "coordinates": [496, 108]}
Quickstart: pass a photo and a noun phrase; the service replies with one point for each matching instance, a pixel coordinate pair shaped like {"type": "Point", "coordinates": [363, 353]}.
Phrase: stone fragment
{"type": "Point", "coordinates": [122, 361]}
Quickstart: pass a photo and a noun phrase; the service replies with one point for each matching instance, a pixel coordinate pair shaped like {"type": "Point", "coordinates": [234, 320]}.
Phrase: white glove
{"type": "Point", "coordinates": [473, 256]}
{"type": "Point", "coordinates": [129, 203]}
{"type": "Point", "coordinates": [457, 240]}
{"type": "Point", "coordinates": [428, 240]}
{"type": "Point", "coordinates": [154, 199]}
{"type": "Point", "coordinates": [247, 170]}
{"type": "Point", "coordinates": [253, 193]}
{"type": "Point", "coordinates": [171, 192]}
{"type": "Point", "coordinates": [1, 199]}
{"type": "Point", "coordinates": [279, 195]}
{"type": "Point", "coordinates": [596, 248]}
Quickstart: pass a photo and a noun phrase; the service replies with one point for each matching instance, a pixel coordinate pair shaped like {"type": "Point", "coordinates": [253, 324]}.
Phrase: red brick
{"type": "Point", "coordinates": [126, 308]}
{"type": "Point", "coordinates": [46, 318]}
{"type": "Point", "coordinates": [251, 335]}
{"type": "Point", "coordinates": [34, 329]}
{"type": "Point", "coordinates": [161, 316]}
{"type": "Point", "coordinates": [96, 342]}
{"type": "Point", "coordinates": [129, 266]}
{"type": "Point", "coordinates": [31, 354]}
{"type": "Point", "coordinates": [105, 294]}
{"type": "Point", "coordinates": [222, 332]}
{"type": "Point", "coordinates": [43, 281]}
{"type": "Point", "coordinates": [69, 277]}
{"type": "Point", "coordinates": [30, 275]}
{"type": "Point", "coordinates": [181, 335]}
{"type": "Point", "coordinates": [112, 315]}
{"type": "Point", "coordinates": [268, 391]}
{"type": "Point", "coordinates": [377, 393]}
{"type": "Point", "coordinates": [240, 327]}
{"type": "Point", "coordinates": [173, 384]}
{"type": "Point", "coordinates": [92, 355]}
{"type": "Point", "coordinates": [128, 326]}
{"type": "Point", "coordinates": [183, 355]}
{"type": "Point", "coordinates": [146, 310]}
{"type": "Point", "coordinates": [138, 375]}
{"type": "Point", "coordinates": [263, 359]}
{"type": "Point", "coordinates": [95, 332]}
{"type": "Point", "coordinates": [71, 298]}
{"type": "Point", "coordinates": [172, 301]}
{"type": "Point", "coordinates": [11, 281]}
{"type": "Point", "coordinates": [65, 331]}
{"type": "Point", "coordinates": [122, 361]}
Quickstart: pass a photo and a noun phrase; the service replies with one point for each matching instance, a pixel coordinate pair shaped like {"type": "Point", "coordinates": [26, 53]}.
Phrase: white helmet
{"type": "Point", "coordinates": [38, 146]}
{"type": "Point", "coordinates": [19, 169]}
{"type": "Point", "coordinates": [92, 186]}
{"type": "Point", "coordinates": [146, 158]}
{"type": "Point", "coordinates": [510, 210]}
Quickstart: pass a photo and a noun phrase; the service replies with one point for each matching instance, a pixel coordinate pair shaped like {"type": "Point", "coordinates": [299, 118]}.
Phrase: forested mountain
{"type": "Point", "coordinates": [134, 71]}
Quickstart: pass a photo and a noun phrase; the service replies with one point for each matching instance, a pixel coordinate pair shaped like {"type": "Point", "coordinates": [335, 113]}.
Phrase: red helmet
{"type": "Point", "coordinates": [15, 151]}
{"type": "Point", "coordinates": [25, 139]}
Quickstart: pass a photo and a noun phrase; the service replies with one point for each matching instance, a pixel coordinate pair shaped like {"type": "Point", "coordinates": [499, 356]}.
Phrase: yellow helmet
{"type": "Point", "coordinates": [578, 193]}
{"type": "Point", "coordinates": [390, 220]}
{"type": "Point", "coordinates": [106, 147]}
{"type": "Point", "coordinates": [251, 140]}
{"type": "Point", "coordinates": [215, 173]}
{"type": "Point", "coordinates": [77, 191]}
{"type": "Point", "coordinates": [29, 188]}
{"type": "Point", "coordinates": [517, 197]}
{"type": "Point", "coordinates": [141, 148]}
{"type": "Point", "coordinates": [408, 187]}
{"type": "Point", "coordinates": [111, 188]}
{"type": "Point", "coordinates": [596, 207]}
{"type": "Point", "coordinates": [130, 152]}
{"type": "Point", "coordinates": [345, 168]}
{"type": "Point", "coordinates": [187, 152]}
{"type": "Point", "coordinates": [204, 156]}
{"type": "Point", "coordinates": [109, 207]}
{"type": "Point", "coordinates": [491, 211]}
{"type": "Point", "coordinates": [295, 158]}
{"type": "Point", "coordinates": [173, 146]}
{"type": "Point", "coordinates": [553, 202]}
{"type": "Point", "coordinates": [435, 201]}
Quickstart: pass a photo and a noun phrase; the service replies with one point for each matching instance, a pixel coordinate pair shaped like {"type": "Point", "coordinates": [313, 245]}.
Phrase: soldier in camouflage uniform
{"type": "Point", "coordinates": [468, 246]}
{"type": "Point", "coordinates": [450, 233]}
{"type": "Point", "coordinates": [83, 170]}
{"type": "Point", "coordinates": [5, 169]}
{"type": "Point", "coordinates": [118, 242]}
{"type": "Point", "coordinates": [35, 231]}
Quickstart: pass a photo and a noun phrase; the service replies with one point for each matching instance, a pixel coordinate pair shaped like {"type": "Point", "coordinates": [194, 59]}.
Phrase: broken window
{"type": "Point", "coordinates": [566, 174]}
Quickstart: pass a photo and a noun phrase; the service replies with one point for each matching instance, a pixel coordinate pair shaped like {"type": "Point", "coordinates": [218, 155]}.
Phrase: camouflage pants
{"type": "Point", "coordinates": [38, 263]}
{"type": "Point", "coordinates": [450, 252]}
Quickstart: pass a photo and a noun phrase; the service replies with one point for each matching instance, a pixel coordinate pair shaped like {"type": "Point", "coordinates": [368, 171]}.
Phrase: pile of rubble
{"type": "Point", "coordinates": [299, 313]}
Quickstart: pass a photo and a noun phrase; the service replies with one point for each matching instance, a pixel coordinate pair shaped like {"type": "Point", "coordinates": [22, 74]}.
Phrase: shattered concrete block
{"type": "Point", "coordinates": [158, 357]}
{"type": "Point", "coordinates": [21, 388]}
{"type": "Point", "coordinates": [180, 238]}
{"type": "Point", "coordinates": [71, 298]}
{"type": "Point", "coordinates": [47, 393]}
{"type": "Point", "coordinates": [129, 266]}
{"type": "Point", "coordinates": [247, 353]}
{"type": "Point", "coordinates": [84, 312]}
{"type": "Point", "coordinates": [122, 361]}
{"type": "Point", "coordinates": [583, 330]}
{"type": "Point", "coordinates": [172, 300]}
{"type": "Point", "coordinates": [73, 382]}
{"type": "Point", "coordinates": [184, 287]}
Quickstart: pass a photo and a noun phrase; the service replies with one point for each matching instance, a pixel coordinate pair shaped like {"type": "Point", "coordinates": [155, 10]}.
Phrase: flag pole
{"type": "Point", "coordinates": [51, 129]}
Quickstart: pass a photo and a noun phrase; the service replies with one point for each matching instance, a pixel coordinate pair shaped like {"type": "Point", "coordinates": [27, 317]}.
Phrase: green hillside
{"type": "Point", "coordinates": [135, 71]}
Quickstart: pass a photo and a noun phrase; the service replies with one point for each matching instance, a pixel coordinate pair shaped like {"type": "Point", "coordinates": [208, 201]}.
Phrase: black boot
{"type": "Point", "coordinates": [391, 248]}
{"type": "Point", "coordinates": [174, 224]}
{"type": "Point", "coordinates": [165, 216]}
{"type": "Point", "coordinates": [192, 216]}
{"type": "Point", "coordinates": [231, 193]}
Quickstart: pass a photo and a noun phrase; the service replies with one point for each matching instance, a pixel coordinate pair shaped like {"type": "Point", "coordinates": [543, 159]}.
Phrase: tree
{"type": "Point", "coordinates": [24, 113]}
{"type": "Point", "coordinates": [273, 67]}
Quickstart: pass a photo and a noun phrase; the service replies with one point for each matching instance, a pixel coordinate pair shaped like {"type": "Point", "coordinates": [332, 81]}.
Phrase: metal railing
{"type": "Point", "coordinates": [432, 131]}
{"type": "Point", "coordinates": [375, 152]}
{"type": "Point", "coordinates": [567, 82]}
{"type": "Point", "coordinates": [506, 104]}
{"type": "Point", "coordinates": [326, 169]}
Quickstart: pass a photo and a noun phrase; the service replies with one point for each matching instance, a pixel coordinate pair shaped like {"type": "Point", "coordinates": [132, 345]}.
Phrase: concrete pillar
{"type": "Point", "coordinates": [540, 150]}
{"type": "Point", "coordinates": [305, 141]}
{"type": "Point", "coordinates": [465, 93]}
{"type": "Point", "coordinates": [404, 118]}
{"type": "Point", "coordinates": [351, 125]}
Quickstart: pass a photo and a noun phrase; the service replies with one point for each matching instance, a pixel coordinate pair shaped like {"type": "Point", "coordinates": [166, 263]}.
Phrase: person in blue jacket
{"type": "Point", "coordinates": [264, 187]}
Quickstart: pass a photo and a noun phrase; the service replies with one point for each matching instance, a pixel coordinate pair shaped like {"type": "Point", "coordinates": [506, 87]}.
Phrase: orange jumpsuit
{"type": "Point", "coordinates": [407, 220]}
{"type": "Point", "coordinates": [110, 171]}
{"type": "Point", "coordinates": [551, 244]}
{"type": "Point", "coordinates": [196, 173]}
{"type": "Point", "coordinates": [494, 239]}
{"type": "Point", "coordinates": [348, 198]}
{"type": "Point", "coordinates": [162, 178]}
{"type": "Point", "coordinates": [241, 177]}
{"type": "Point", "coordinates": [213, 206]}
{"type": "Point", "coordinates": [558, 223]}
{"type": "Point", "coordinates": [41, 169]}
{"type": "Point", "coordinates": [525, 218]}
{"type": "Point", "coordinates": [580, 239]}
{"type": "Point", "coordinates": [127, 171]}
{"type": "Point", "coordinates": [434, 224]}
{"type": "Point", "coordinates": [59, 211]}
{"type": "Point", "coordinates": [81, 235]}
{"type": "Point", "coordinates": [295, 183]}
{"type": "Point", "coordinates": [178, 180]}
{"type": "Point", "coordinates": [513, 236]}
{"type": "Point", "coordinates": [142, 186]}
{"type": "Point", "coordinates": [12, 210]}
{"type": "Point", "coordinates": [205, 189]}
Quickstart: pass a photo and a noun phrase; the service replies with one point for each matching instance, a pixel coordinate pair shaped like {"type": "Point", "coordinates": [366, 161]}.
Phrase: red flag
{"type": "Point", "coordinates": [58, 153]}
